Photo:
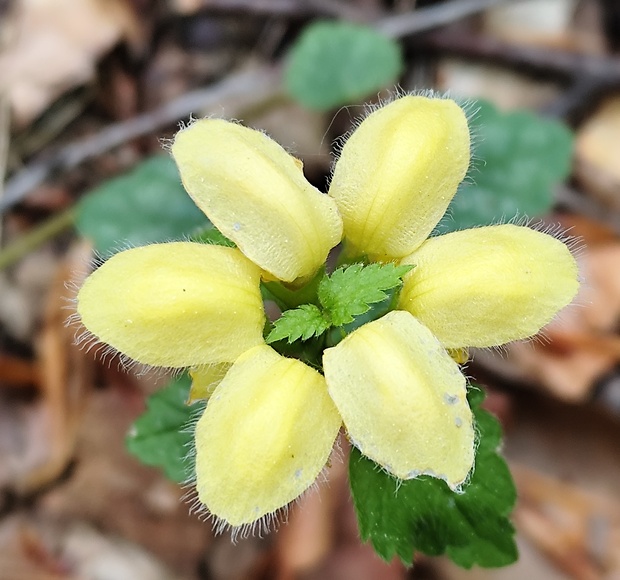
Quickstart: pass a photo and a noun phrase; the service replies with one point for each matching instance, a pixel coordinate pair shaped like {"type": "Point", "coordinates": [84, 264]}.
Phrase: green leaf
{"type": "Point", "coordinates": [287, 298]}
{"type": "Point", "coordinates": [161, 436]}
{"type": "Point", "coordinates": [145, 206]}
{"type": "Point", "coordinates": [517, 160]}
{"type": "Point", "coordinates": [211, 235]}
{"type": "Point", "coordinates": [400, 517]}
{"type": "Point", "coordinates": [350, 291]}
{"type": "Point", "coordinates": [337, 63]}
{"type": "Point", "coordinates": [303, 322]}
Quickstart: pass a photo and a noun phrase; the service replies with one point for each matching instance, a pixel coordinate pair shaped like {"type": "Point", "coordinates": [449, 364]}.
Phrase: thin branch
{"type": "Point", "coordinates": [5, 130]}
{"type": "Point", "coordinates": [23, 245]}
{"type": "Point", "coordinates": [566, 64]}
{"type": "Point", "coordinates": [286, 8]}
{"type": "Point", "coordinates": [255, 85]}
{"type": "Point", "coordinates": [587, 206]}
{"type": "Point", "coordinates": [587, 76]}
{"type": "Point", "coordinates": [251, 86]}
{"type": "Point", "coordinates": [402, 25]}
{"type": "Point", "coordinates": [394, 26]}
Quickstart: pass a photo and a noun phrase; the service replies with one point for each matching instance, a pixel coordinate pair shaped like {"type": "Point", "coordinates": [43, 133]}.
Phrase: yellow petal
{"type": "Point", "coordinates": [459, 355]}
{"type": "Point", "coordinates": [397, 174]}
{"type": "Point", "coordinates": [402, 399]}
{"type": "Point", "coordinates": [488, 286]}
{"type": "Point", "coordinates": [266, 434]}
{"type": "Point", "coordinates": [205, 379]}
{"type": "Point", "coordinates": [175, 305]}
{"type": "Point", "coordinates": [256, 194]}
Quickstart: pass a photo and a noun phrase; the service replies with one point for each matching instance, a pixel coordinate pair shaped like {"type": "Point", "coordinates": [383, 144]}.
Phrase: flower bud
{"type": "Point", "coordinates": [397, 173]}
{"type": "Point", "coordinates": [256, 194]}
{"type": "Point", "coordinates": [175, 305]}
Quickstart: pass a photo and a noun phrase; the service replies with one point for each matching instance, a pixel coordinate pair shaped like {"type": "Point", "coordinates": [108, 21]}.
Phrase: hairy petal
{"type": "Point", "coordinates": [266, 434]}
{"type": "Point", "coordinates": [402, 399]}
{"type": "Point", "coordinates": [397, 174]}
{"type": "Point", "coordinates": [256, 194]}
{"type": "Point", "coordinates": [488, 286]}
{"type": "Point", "coordinates": [175, 305]}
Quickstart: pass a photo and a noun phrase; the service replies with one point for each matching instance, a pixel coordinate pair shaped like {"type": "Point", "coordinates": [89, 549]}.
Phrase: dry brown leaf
{"type": "Point", "coordinates": [40, 548]}
{"type": "Point", "coordinates": [23, 554]}
{"type": "Point", "coordinates": [117, 494]}
{"type": "Point", "coordinates": [56, 44]}
{"type": "Point", "coordinates": [542, 22]}
{"type": "Point", "coordinates": [187, 6]}
{"type": "Point", "coordinates": [598, 153]}
{"type": "Point", "coordinates": [23, 290]}
{"type": "Point", "coordinates": [309, 535]}
{"type": "Point", "coordinates": [300, 131]}
{"type": "Point", "coordinates": [507, 89]}
{"type": "Point", "coordinates": [38, 437]}
{"type": "Point", "coordinates": [578, 530]}
{"type": "Point", "coordinates": [65, 373]}
{"type": "Point", "coordinates": [583, 341]}
{"type": "Point", "coordinates": [582, 345]}
{"type": "Point", "coordinates": [17, 372]}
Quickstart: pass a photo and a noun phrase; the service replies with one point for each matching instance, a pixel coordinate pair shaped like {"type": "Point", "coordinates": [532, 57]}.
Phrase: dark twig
{"type": "Point", "coordinates": [402, 25]}
{"type": "Point", "coordinates": [35, 237]}
{"type": "Point", "coordinates": [587, 76]}
{"type": "Point", "coordinates": [254, 84]}
{"type": "Point", "coordinates": [561, 63]}
{"type": "Point", "coordinates": [393, 26]}
{"type": "Point", "coordinates": [588, 206]}
{"type": "Point", "coordinates": [251, 86]}
{"type": "Point", "coordinates": [287, 8]}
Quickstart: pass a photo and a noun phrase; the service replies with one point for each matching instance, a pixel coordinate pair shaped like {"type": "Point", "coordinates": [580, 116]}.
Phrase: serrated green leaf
{"type": "Point", "coordinates": [337, 63]}
{"type": "Point", "coordinates": [517, 160]}
{"type": "Point", "coordinates": [350, 291]}
{"type": "Point", "coordinates": [303, 322]}
{"type": "Point", "coordinates": [160, 436]}
{"type": "Point", "coordinates": [144, 206]}
{"type": "Point", "coordinates": [424, 515]}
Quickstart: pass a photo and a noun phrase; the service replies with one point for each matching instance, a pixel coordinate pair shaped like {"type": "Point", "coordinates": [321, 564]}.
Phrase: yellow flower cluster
{"type": "Point", "coordinates": [271, 421]}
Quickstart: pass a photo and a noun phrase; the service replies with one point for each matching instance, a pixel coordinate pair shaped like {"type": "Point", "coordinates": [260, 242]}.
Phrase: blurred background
{"type": "Point", "coordinates": [89, 92]}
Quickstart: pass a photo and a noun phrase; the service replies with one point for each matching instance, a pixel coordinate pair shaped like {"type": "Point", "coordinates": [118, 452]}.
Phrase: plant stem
{"type": "Point", "coordinates": [42, 233]}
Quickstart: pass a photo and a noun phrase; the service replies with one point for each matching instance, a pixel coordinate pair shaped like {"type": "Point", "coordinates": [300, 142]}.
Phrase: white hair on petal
{"type": "Point", "coordinates": [88, 341]}
{"type": "Point", "coordinates": [469, 106]}
{"type": "Point", "coordinates": [576, 246]}
{"type": "Point", "coordinates": [263, 525]}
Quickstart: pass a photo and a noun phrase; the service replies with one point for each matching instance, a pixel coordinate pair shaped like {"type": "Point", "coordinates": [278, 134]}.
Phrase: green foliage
{"type": "Point", "coordinates": [423, 514]}
{"type": "Point", "coordinates": [161, 436]}
{"type": "Point", "coordinates": [145, 206]}
{"type": "Point", "coordinates": [303, 322]}
{"type": "Point", "coordinates": [350, 291]}
{"type": "Point", "coordinates": [211, 235]}
{"type": "Point", "coordinates": [337, 63]}
{"type": "Point", "coordinates": [517, 159]}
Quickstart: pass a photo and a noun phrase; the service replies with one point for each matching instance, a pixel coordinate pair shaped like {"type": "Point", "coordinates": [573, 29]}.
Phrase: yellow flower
{"type": "Point", "coordinates": [271, 421]}
{"type": "Point", "coordinates": [264, 437]}
{"type": "Point", "coordinates": [482, 287]}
